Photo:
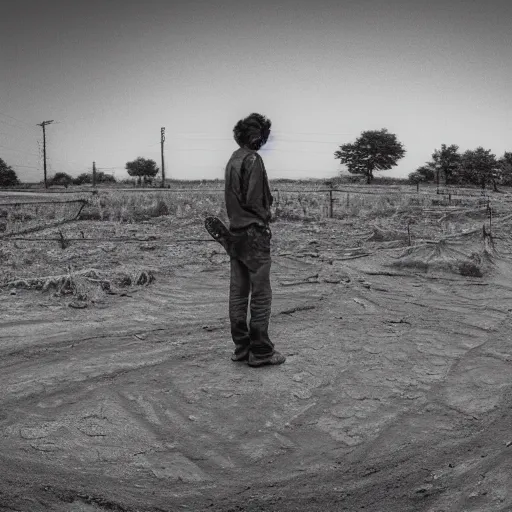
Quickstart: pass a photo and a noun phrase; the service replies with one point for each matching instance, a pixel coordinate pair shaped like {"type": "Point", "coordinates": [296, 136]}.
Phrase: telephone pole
{"type": "Point", "coordinates": [162, 140]}
{"type": "Point", "coordinates": [43, 124]}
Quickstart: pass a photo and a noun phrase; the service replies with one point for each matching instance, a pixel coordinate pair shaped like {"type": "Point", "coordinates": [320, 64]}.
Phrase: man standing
{"type": "Point", "coordinates": [248, 200]}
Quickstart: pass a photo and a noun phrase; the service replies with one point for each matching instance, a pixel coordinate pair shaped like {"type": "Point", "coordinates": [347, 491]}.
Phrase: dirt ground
{"type": "Point", "coordinates": [395, 396]}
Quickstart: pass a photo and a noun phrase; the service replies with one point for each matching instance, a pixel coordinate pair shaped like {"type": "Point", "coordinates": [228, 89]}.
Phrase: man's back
{"type": "Point", "coordinates": [247, 192]}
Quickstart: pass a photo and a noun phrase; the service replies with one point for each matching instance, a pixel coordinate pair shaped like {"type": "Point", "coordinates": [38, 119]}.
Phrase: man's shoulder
{"type": "Point", "coordinates": [253, 159]}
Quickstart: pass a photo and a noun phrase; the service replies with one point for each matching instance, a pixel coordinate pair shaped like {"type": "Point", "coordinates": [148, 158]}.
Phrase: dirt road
{"type": "Point", "coordinates": [395, 396]}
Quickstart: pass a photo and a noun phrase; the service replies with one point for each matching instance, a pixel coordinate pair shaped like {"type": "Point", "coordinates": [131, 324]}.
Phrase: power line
{"type": "Point", "coordinates": [130, 148]}
{"type": "Point", "coordinates": [312, 133]}
{"type": "Point", "coordinates": [15, 119]}
{"type": "Point", "coordinates": [282, 132]}
{"type": "Point", "coordinates": [270, 150]}
{"type": "Point", "coordinates": [25, 166]}
{"type": "Point", "coordinates": [18, 150]}
{"type": "Point", "coordinates": [276, 141]}
{"type": "Point", "coordinates": [4, 133]}
{"type": "Point", "coordinates": [273, 138]}
{"type": "Point", "coordinates": [13, 125]}
{"type": "Point", "coordinates": [264, 150]}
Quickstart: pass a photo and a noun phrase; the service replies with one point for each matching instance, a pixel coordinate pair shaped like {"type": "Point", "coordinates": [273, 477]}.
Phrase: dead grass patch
{"type": "Point", "coordinates": [85, 284]}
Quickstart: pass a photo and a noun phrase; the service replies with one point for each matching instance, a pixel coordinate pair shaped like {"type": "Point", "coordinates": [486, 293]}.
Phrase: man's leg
{"type": "Point", "coordinates": [261, 305]}
{"type": "Point", "coordinates": [259, 262]}
{"type": "Point", "coordinates": [239, 289]}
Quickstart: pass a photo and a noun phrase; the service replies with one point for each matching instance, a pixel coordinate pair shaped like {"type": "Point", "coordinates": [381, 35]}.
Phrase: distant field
{"type": "Point", "coordinates": [306, 200]}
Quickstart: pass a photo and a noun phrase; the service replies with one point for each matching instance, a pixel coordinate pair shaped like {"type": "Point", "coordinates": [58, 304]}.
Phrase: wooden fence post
{"type": "Point", "coordinates": [330, 200]}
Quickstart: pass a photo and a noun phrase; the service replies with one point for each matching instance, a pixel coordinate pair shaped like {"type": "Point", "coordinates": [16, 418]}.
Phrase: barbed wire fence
{"type": "Point", "coordinates": [25, 217]}
{"type": "Point", "coordinates": [18, 218]}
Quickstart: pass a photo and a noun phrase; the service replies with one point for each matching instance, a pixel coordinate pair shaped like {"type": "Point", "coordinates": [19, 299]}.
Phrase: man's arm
{"type": "Point", "coordinates": [255, 177]}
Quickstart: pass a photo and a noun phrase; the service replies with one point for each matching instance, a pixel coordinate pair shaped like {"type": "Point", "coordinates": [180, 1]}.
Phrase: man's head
{"type": "Point", "coordinates": [252, 132]}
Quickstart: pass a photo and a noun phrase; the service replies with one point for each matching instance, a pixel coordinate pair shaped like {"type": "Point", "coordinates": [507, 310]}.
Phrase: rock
{"type": "Point", "coordinates": [13, 292]}
{"type": "Point", "coordinates": [424, 489]}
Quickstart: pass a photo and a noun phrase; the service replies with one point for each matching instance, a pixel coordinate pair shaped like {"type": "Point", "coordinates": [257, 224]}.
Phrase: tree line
{"type": "Point", "coordinates": [144, 170]}
{"type": "Point", "coordinates": [473, 167]}
{"type": "Point", "coordinates": [379, 150]}
{"type": "Point", "coordinates": [372, 151]}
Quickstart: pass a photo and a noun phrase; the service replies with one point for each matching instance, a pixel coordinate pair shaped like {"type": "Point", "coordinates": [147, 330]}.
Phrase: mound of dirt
{"type": "Point", "coordinates": [444, 256]}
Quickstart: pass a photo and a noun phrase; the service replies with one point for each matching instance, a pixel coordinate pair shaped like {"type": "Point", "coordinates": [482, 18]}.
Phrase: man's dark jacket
{"type": "Point", "coordinates": [247, 192]}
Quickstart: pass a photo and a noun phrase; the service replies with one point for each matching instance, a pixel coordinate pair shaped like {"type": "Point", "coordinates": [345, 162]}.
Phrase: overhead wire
{"type": "Point", "coordinates": [205, 136]}
{"type": "Point", "coordinates": [271, 140]}
{"type": "Point", "coordinates": [13, 125]}
{"type": "Point", "coordinates": [25, 166]}
{"type": "Point", "coordinates": [18, 150]}
{"type": "Point", "coordinates": [15, 119]}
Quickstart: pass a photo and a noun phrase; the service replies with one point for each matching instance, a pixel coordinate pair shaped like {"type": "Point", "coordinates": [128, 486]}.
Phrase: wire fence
{"type": "Point", "coordinates": [23, 217]}
{"type": "Point", "coordinates": [17, 218]}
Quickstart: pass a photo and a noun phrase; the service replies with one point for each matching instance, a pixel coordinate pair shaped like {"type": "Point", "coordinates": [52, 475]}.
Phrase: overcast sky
{"type": "Point", "coordinates": [111, 73]}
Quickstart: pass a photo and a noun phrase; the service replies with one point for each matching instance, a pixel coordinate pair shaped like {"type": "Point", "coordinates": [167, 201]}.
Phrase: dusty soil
{"type": "Point", "coordinates": [395, 396]}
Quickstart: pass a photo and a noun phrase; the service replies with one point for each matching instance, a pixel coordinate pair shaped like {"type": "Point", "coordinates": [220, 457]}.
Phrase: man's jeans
{"type": "Point", "coordinates": [250, 274]}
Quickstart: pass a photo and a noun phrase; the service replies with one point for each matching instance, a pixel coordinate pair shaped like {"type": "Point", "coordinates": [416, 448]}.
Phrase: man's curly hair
{"type": "Point", "coordinates": [252, 132]}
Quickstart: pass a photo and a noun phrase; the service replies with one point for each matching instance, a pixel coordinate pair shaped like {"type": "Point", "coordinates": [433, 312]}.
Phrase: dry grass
{"type": "Point", "coordinates": [292, 202]}
{"type": "Point", "coordinates": [386, 208]}
{"type": "Point", "coordinates": [85, 284]}
{"type": "Point", "coordinates": [138, 206]}
{"type": "Point", "coordinates": [302, 206]}
{"type": "Point", "coordinates": [300, 201]}
{"type": "Point", "coordinates": [22, 217]}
